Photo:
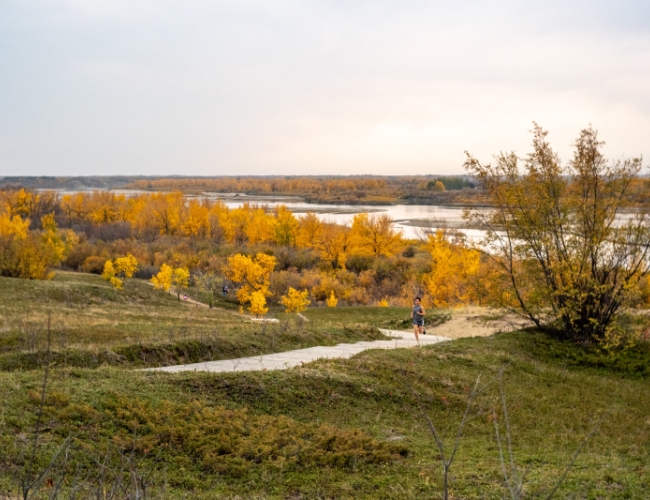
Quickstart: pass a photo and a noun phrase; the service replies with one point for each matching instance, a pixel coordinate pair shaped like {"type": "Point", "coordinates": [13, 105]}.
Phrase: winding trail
{"type": "Point", "coordinates": [290, 359]}
{"type": "Point", "coordinates": [465, 322]}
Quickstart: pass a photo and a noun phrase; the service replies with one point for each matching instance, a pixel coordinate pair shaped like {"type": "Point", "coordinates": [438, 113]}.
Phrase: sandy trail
{"type": "Point", "coordinates": [477, 322]}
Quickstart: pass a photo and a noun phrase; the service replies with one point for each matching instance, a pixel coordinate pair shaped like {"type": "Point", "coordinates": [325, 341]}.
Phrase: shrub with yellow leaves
{"type": "Point", "coordinates": [295, 301]}
{"type": "Point", "coordinates": [332, 301]}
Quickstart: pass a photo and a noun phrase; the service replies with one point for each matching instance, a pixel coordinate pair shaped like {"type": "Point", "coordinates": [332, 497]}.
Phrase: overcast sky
{"type": "Point", "coordinates": [198, 87]}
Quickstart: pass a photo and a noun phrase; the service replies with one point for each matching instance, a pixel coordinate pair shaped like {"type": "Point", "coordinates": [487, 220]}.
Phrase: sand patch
{"type": "Point", "coordinates": [478, 322]}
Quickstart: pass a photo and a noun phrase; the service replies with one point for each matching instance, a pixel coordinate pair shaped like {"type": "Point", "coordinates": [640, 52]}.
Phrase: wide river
{"type": "Point", "coordinates": [414, 221]}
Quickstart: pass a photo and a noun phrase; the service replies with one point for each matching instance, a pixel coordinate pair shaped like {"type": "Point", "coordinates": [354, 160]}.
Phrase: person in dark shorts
{"type": "Point", "coordinates": [417, 316]}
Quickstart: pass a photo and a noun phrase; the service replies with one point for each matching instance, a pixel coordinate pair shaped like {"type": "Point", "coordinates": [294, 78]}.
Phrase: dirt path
{"type": "Point", "coordinates": [189, 300]}
{"type": "Point", "coordinates": [298, 357]}
{"type": "Point", "coordinates": [477, 322]}
{"type": "Point", "coordinates": [466, 322]}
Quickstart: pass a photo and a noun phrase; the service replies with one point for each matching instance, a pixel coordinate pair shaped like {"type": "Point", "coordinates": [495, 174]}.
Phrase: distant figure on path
{"type": "Point", "coordinates": [417, 315]}
{"type": "Point", "coordinates": [184, 297]}
{"type": "Point", "coordinates": [224, 290]}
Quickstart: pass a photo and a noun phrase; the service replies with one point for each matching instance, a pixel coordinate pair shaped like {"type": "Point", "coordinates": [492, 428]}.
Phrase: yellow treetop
{"type": "Point", "coordinates": [163, 280]}
{"type": "Point", "coordinates": [453, 268]}
{"type": "Point", "coordinates": [126, 266]}
{"type": "Point", "coordinates": [309, 231]}
{"type": "Point", "coordinates": [286, 226]}
{"type": "Point", "coordinates": [258, 304]}
{"type": "Point", "coordinates": [196, 220]}
{"type": "Point", "coordinates": [252, 274]}
{"type": "Point", "coordinates": [260, 227]}
{"type": "Point", "coordinates": [295, 301]}
{"type": "Point", "coordinates": [181, 278]}
{"type": "Point", "coordinates": [374, 235]}
{"type": "Point", "coordinates": [117, 272]}
{"type": "Point", "coordinates": [109, 275]}
{"type": "Point", "coordinates": [13, 226]}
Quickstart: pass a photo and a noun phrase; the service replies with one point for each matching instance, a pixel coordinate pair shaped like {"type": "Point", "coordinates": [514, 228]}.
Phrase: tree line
{"type": "Point", "coordinates": [368, 262]}
{"type": "Point", "coordinates": [567, 246]}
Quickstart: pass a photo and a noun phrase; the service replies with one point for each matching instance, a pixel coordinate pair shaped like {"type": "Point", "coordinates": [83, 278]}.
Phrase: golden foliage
{"type": "Point", "coordinates": [332, 301]}
{"type": "Point", "coordinates": [258, 304]}
{"type": "Point", "coordinates": [252, 274]}
{"type": "Point", "coordinates": [163, 279]}
{"type": "Point", "coordinates": [333, 243]}
{"type": "Point", "coordinates": [309, 231]}
{"type": "Point", "coordinates": [117, 271]}
{"type": "Point", "coordinates": [109, 274]}
{"type": "Point", "coordinates": [181, 278]}
{"type": "Point", "coordinates": [558, 234]}
{"type": "Point", "coordinates": [454, 266]}
{"type": "Point", "coordinates": [286, 226]}
{"type": "Point", "coordinates": [196, 222]}
{"type": "Point", "coordinates": [295, 301]}
{"type": "Point", "coordinates": [13, 226]}
{"type": "Point", "coordinates": [375, 235]}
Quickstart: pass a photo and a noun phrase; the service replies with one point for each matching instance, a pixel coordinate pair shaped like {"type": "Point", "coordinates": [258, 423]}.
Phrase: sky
{"type": "Point", "coordinates": [246, 87]}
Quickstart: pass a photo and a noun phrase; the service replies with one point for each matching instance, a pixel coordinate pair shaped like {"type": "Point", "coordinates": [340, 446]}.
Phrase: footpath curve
{"type": "Point", "coordinates": [298, 357]}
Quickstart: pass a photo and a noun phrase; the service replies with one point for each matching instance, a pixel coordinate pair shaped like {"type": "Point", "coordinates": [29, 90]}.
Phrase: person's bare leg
{"type": "Point", "coordinates": [416, 331]}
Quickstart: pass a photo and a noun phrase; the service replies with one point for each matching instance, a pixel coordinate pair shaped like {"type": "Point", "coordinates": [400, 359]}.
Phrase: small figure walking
{"type": "Point", "coordinates": [417, 315]}
{"type": "Point", "coordinates": [224, 290]}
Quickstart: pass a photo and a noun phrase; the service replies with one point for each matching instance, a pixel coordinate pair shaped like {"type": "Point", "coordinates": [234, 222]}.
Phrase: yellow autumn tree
{"type": "Point", "coordinates": [25, 254]}
{"type": "Point", "coordinates": [309, 231]}
{"type": "Point", "coordinates": [74, 206]}
{"type": "Point", "coordinates": [163, 279]}
{"type": "Point", "coordinates": [258, 304]}
{"type": "Point", "coordinates": [180, 280]}
{"type": "Point", "coordinates": [19, 202]}
{"type": "Point", "coordinates": [454, 266]}
{"type": "Point", "coordinates": [375, 235]}
{"type": "Point", "coordinates": [196, 222]}
{"type": "Point", "coordinates": [109, 275]}
{"type": "Point", "coordinates": [13, 226]}
{"type": "Point", "coordinates": [117, 271]}
{"type": "Point", "coordinates": [333, 243]}
{"type": "Point", "coordinates": [260, 227]}
{"type": "Point", "coordinates": [332, 301]}
{"type": "Point", "coordinates": [295, 300]}
{"type": "Point", "coordinates": [160, 212]}
{"type": "Point", "coordinates": [57, 243]}
{"type": "Point", "coordinates": [104, 207]}
{"type": "Point", "coordinates": [253, 275]}
{"type": "Point", "coordinates": [286, 226]}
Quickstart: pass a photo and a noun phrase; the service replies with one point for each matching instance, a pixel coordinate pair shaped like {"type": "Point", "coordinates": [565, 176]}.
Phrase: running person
{"type": "Point", "coordinates": [417, 315]}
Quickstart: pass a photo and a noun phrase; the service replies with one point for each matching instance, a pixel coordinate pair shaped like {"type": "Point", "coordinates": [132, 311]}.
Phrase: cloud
{"type": "Point", "coordinates": [203, 87]}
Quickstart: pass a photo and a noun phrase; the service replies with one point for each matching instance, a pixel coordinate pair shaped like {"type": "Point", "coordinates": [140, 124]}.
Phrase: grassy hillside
{"type": "Point", "coordinates": [93, 324]}
{"type": "Point", "coordinates": [330, 429]}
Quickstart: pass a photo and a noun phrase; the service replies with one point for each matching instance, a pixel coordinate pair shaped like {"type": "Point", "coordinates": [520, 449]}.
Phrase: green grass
{"type": "Point", "coordinates": [93, 324]}
{"type": "Point", "coordinates": [330, 429]}
{"type": "Point", "coordinates": [347, 428]}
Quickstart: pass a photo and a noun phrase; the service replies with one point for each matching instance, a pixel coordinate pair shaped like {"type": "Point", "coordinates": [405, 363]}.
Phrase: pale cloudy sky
{"type": "Point", "coordinates": [198, 87]}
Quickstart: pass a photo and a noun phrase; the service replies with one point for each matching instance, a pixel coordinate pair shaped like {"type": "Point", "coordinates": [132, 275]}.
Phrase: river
{"type": "Point", "coordinates": [413, 221]}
